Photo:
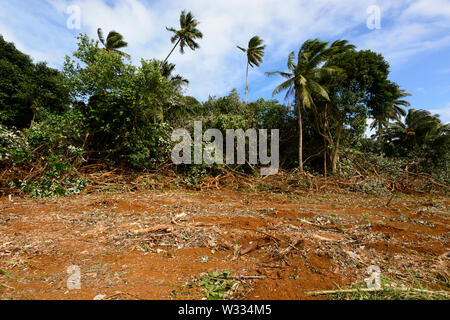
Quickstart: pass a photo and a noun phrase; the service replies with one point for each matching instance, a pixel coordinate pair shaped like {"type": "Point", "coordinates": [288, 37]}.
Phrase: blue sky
{"type": "Point", "coordinates": [414, 37]}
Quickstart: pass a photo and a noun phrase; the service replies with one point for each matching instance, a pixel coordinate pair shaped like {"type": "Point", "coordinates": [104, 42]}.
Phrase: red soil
{"type": "Point", "coordinates": [142, 246]}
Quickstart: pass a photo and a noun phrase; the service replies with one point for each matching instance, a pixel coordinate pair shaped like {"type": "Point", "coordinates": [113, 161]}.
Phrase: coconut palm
{"type": "Point", "coordinates": [390, 108]}
{"type": "Point", "coordinates": [415, 130]}
{"type": "Point", "coordinates": [177, 81]}
{"type": "Point", "coordinates": [186, 36]}
{"type": "Point", "coordinates": [167, 72]}
{"type": "Point", "coordinates": [303, 78]}
{"type": "Point", "coordinates": [114, 41]}
{"type": "Point", "coordinates": [255, 54]}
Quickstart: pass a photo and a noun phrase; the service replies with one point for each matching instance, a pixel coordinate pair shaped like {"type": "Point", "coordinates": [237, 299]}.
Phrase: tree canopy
{"type": "Point", "coordinates": [103, 109]}
{"type": "Point", "coordinates": [27, 89]}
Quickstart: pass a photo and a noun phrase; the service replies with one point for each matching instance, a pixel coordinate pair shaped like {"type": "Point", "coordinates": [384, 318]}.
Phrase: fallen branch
{"type": "Point", "coordinates": [249, 249]}
{"type": "Point", "coordinates": [264, 233]}
{"type": "Point", "coordinates": [335, 228]}
{"type": "Point", "coordinates": [390, 200]}
{"type": "Point", "coordinates": [329, 292]}
{"type": "Point", "coordinates": [248, 277]}
{"type": "Point", "coordinates": [118, 294]}
{"type": "Point", "coordinates": [431, 180]}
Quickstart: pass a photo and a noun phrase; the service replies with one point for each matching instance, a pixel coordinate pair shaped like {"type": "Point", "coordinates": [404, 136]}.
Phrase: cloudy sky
{"type": "Point", "coordinates": [414, 37]}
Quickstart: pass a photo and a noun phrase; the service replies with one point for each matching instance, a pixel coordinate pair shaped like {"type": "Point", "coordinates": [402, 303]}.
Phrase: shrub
{"type": "Point", "coordinates": [58, 179]}
{"type": "Point", "coordinates": [45, 156]}
{"type": "Point", "coordinates": [148, 146]}
{"type": "Point", "coordinates": [14, 146]}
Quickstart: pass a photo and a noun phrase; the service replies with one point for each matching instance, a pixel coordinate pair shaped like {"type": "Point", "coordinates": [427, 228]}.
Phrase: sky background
{"type": "Point", "coordinates": [414, 38]}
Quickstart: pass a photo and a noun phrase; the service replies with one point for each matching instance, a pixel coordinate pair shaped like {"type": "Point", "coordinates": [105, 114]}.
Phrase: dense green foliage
{"type": "Point", "coordinates": [123, 106]}
{"type": "Point", "coordinates": [101, 109]}
{"type": "Point", "coordinates": [27, 89]}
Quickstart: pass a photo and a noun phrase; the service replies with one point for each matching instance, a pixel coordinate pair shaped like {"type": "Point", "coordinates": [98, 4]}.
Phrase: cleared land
{"type": "Point", "coordinates": [158, 244]}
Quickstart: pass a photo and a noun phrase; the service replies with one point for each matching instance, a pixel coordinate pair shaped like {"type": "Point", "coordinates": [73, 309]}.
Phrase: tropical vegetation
{"type": "Point", "coordinates": [100, 108]}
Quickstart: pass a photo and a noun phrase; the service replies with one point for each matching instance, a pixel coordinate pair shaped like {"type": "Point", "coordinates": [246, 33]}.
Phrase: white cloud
{"type": "Point", "coordinates": [218, 66]}
{"type": "Point", "coordinates": [428, 9]}
{"type": "Point", "coordinates": [443, 112]}
{"type": "Point", "coordinates": [408, 28]}
{"type": "Point", "coordinates": [25, 26]}
{"type": "Point", "coordinates": [415, 27]}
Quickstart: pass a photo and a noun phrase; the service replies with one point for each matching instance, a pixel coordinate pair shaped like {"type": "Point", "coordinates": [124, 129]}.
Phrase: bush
{"type": "Point", "coordinates": [123, 105]}
{"type": "Point", "coordinates": [45, 156]}
{"type": "Point", "coordinates": [59, 135]}
{"type": "Point", "coordinates": [147, 146]}
{"type": "Point", "coordinates": [14, 146]}
{"type": "Point", "coordinates": [58, 179]}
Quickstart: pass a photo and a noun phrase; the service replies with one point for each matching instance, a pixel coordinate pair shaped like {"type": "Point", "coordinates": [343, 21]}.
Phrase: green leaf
{"type": "Point", "coordinates": [7, 274]}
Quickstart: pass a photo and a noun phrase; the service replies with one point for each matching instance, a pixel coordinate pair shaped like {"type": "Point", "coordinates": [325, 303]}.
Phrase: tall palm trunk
{"type": "Point", "coordinates": [300, 136]}
{"type": "Point", "coordinates": [173, 49]}
{"type": "Point", "coordinates": [246, 84]}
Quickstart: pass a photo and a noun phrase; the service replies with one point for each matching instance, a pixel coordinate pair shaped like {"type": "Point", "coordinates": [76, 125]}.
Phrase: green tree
{"type": "Point", "coordinates": [176, 103]}
{"type": "Point", "coordinates": [255, 55]}
{"type": "Point", "coordinates": [389, 106]}
{"type": "Point", "coordinates": [230, 104]}
{"type": "Point", "coordinates": [114, 41]}
{"type": "Point", "coordinates": [416, 130]}
{"type": "Point", "coordinates": [187, 35]}
{"type": "Point", "coordinates": [304, 77]}
{"type": "Point", "coordinates": [181, 113]}
{"type": "Point", "coordinates": [353, 92]}
{"type": "Point", "coordinates": [424, 140]}
{"type": "Point", "coordinates": [168, 70]}
{"type": "Point", "coordinates": [28, 89]}
{"type": "Point", "coordinates": [122, 103]}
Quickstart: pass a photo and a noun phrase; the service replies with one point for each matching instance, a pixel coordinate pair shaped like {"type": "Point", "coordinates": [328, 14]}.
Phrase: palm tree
{"type": "Point", "coordinates": [255, 54]}
{"type": "Point", "coordinates": [113, 42]}
{"type": "Point", "coordinates": [304, 76]}
{"type": "Point", "coordinates": [187, 35]}
{"type": "Point", "coordinates": [167, 70]}
{"type": "Point", "coordinates": [391, 108]}
{"type": "Point", "coordinates": [415, 130]}
{"type": "Point", "coordinates": [177, 82]}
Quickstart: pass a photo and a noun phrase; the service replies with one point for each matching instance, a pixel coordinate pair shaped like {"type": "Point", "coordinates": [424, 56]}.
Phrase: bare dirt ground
{"type": "Point", "coordinates": [152, 244]}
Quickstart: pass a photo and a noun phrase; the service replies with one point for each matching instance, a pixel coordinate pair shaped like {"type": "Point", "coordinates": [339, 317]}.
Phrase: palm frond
{"type": "Point", "coordinates": [318, 89]}
{"type": "Point", "coordinates": [280, 73]}
{"type": "Point", "coordinates": [123, 54]}
{"type": "Point", "coordinates": [101, 36]}
{"type": "Point", "coordinates": [284, 86]}
{"type": "Point", "coordinates": [187, 34]}
{"type": "Point", "coordinates": [290, 64]}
